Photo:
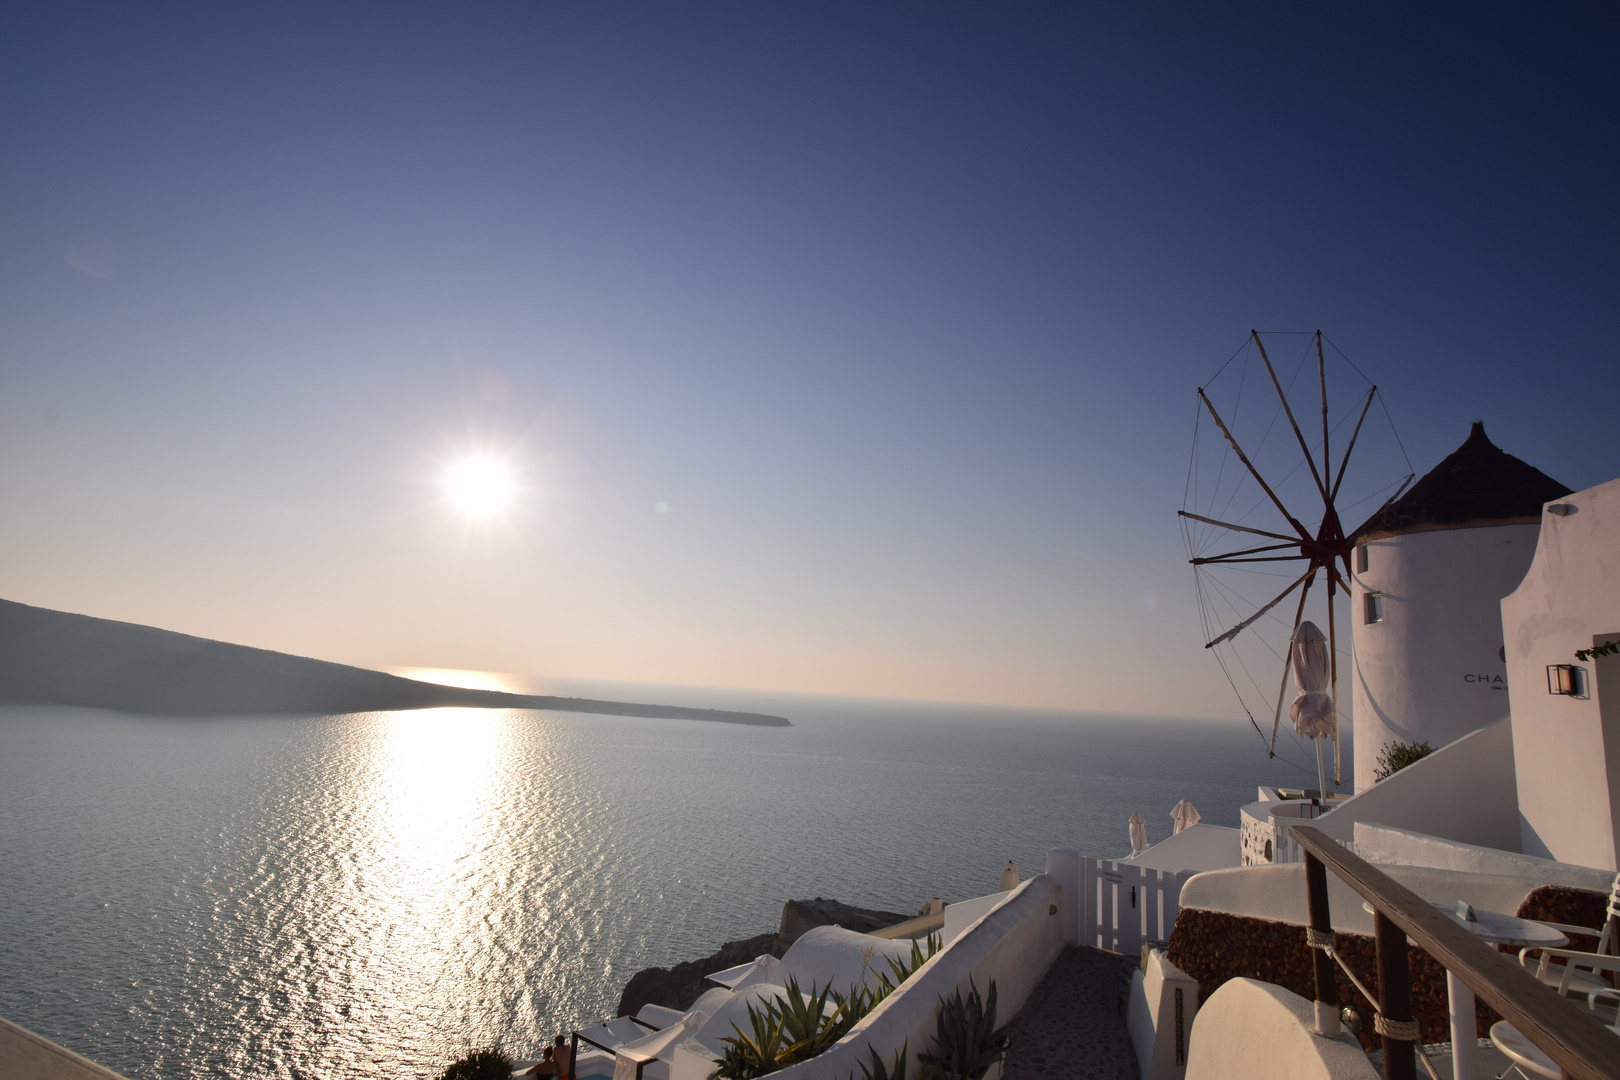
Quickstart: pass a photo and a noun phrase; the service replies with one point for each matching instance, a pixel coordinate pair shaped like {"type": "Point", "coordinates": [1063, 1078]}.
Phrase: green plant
{"type": "Point", "coordinates": [806, 1021]}
{"type": "Point", "coordinates": [488, 1064]}
{"type": "Point", "coordinates": [1396, 756]}
{"type": "Point", "coordinates": [903, 969]}
{"type": "Point", "coordinates": [783, 1031]}
{"type": "Point", "coordinates": [759, 1054]}
{"type": "Point", "coordinates": [1608, 648]}
{"type": "Point", "coordinates": [880, 1071]}
{"type": "Point", "coordinates": [968, 1041]}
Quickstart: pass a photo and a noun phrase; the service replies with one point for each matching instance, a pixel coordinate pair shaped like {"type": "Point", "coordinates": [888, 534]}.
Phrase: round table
{"type": "Point", "coordinates": [1522, 1052]}
{"type": "Point", "coordinates": [1497, 929]}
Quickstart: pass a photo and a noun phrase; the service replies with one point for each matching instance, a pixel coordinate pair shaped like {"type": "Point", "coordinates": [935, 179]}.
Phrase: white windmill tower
{"type": "Point", "coordinates": [1430, 572]}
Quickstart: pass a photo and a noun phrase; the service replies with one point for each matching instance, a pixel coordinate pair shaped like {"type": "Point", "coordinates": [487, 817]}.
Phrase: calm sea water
{"type": "Point", "coordinates": [372, 894]}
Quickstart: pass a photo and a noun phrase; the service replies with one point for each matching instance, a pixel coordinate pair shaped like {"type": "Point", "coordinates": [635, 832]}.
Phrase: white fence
{"type": "Point", "coordinates": [1123, 905]}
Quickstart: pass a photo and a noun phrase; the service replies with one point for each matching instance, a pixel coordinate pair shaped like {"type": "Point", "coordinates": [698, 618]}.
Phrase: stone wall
{"type": "Point", "coordinates": [1213, 947]}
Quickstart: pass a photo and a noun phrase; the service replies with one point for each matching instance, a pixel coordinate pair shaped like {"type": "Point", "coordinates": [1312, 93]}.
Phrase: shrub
{"type": "Point", "coordinates": [785, 1031]}
{"type": "Point", "coordinates": [1396, 756]}
{"type": "Point", "coordinates": [488, 1064]}
{"type": "Point", "coordinates": [968, 1042]}
{"type": "Point", "coordinates": [880, 1071]}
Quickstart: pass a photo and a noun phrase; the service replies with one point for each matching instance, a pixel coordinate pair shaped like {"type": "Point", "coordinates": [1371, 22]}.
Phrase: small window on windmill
{"type": "Point", "coordinates": [1373, 610]}
{"type": "Point", "coordinates": [1361, 558]}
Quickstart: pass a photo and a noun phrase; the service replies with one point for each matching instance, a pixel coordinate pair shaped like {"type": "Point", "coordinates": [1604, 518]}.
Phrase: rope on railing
{"type": "Point", "coordinates": [1404, 1030]}
{"type": "Point", "coordinates": [1323, 939]}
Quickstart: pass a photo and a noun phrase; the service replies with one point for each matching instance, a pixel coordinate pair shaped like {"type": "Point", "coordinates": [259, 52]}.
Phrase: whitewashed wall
{"type": "Point", "coordinates": [1432, 670]}
{"type": "Point", "coordinates": [1251, 1030]}
{"type": "Point", "coordinates": [1407, 847]}
{"type": "Point", "coordinates": [1567, 749]}
{"type": "Point", "coordinates": [1465, 791]}
{"type": "Point", "coordinates": [1014, 945]}
{"type": "Point", "coordinates": [1277, 893]}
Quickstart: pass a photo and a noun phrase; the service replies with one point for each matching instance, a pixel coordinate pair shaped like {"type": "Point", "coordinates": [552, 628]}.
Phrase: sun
{"type": "Point", "coordinates": [480, 486]}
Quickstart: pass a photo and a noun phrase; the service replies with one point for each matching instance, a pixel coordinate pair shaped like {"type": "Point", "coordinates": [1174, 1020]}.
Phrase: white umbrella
{"type": "Point", "coordinates": [1184, 815]}
{"type": "Point", "coordinates": [1139, 842]}
{"type": "Point", "coordinates": [1312, 711]}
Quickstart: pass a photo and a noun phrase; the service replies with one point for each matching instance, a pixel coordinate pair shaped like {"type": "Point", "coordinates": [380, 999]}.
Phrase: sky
{"type": "Point", "coordinates": [831, 348]}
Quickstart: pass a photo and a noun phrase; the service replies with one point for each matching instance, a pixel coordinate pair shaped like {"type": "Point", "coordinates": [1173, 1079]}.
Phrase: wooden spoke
{"type": "Point", "coordinates": [1237, 528]}
{"type": "Point", "coordinates": [1248, 551]}
{"type": "Point", "coordinates": [1238, 450]}
{"type": "Point", "coordinates": [1227, 559]}
{"type": "Point", "coordinates": [1334, 494]}
{"type": "Point", "coordinates": [1321, 376]}
{"type": "Point", "coordinates": [1333, 676]}
{"type": "Point", "coordinates": [1276, 719]}
{"type": "Point", "coordinates": [1300, 435]}
{"type": "Point", "coordinates": [1246, 623]}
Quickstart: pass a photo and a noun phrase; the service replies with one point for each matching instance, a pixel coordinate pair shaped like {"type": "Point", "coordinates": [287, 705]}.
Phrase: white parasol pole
{"type": "Point", "coordinates": [1321, 777]}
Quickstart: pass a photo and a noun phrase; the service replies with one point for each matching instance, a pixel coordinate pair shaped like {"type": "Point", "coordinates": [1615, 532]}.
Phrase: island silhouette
{"type": "Point", "coordinates": [55, 657]}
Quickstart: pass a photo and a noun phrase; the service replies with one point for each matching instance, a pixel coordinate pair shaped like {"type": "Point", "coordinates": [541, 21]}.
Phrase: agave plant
{"type": "Point", "coordinates": [807, 1021]}
{"type": "Point", "coordinates": [763, 1052]}
{"type": "Point", "coordinates": [880, 1071]}
{"type": "Point", "coordinates": [903, 969]}
{"type": "Point", "coordinates": [968, 1042]}
{"type": "Point", "coordinates": [784, 1031]}
{"type": "Point", "coordinates": [802, 1025]}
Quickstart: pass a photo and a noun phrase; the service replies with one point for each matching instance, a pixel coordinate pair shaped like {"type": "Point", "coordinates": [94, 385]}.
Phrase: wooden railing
{"type": "Point", "coordinates": [1564, 1030]}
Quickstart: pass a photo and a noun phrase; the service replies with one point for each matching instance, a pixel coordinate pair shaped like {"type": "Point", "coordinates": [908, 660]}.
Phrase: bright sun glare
{"type": "Point", "coordinates": [480, 486]}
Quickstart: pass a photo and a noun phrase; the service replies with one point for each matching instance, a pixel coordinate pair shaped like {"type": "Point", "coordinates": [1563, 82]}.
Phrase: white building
{"type": "Point", "coordinates": [1430, 572]}
{"type": "Point", "coordinates": [1566, 711]}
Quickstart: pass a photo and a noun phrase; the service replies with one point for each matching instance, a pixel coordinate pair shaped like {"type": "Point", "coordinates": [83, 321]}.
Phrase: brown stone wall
{"type": "Point", "coordinates": [1212, 947]}
{"type": "Point", "coordinates": [1572, 907]}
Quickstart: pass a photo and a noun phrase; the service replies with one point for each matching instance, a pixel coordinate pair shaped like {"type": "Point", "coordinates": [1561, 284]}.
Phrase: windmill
{"type": "Point", "coordinates": [1263, 519]}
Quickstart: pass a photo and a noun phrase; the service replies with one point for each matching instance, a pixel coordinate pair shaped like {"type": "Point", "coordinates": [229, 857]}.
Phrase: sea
{"type": "Point", "coordinates": [375, 894]}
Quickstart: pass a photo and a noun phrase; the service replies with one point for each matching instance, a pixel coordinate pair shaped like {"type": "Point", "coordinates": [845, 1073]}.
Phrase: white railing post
{"type": "Point", "coordinates": [1066, 866]}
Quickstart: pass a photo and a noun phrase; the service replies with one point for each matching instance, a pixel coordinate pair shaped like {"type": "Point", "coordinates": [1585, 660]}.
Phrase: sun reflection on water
{"type": "Point", "coordinates": [434, 817]}
{"type": "Point", "coordinates": [437, 780]}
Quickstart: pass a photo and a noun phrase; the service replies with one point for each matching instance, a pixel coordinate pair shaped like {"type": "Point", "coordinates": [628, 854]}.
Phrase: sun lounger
{"type": "Point", "coordinates": [614, 1034]}
{"type": "Point", "coordinates": [649, 1058]}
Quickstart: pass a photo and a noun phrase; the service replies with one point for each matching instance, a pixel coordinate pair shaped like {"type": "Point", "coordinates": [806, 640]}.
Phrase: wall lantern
{"type": "Point", "coordinates": [1563, 679]}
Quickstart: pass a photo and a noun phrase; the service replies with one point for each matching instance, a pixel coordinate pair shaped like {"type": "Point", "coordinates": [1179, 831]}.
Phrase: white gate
{"type": "Point", "coordinates": [1123, 905]}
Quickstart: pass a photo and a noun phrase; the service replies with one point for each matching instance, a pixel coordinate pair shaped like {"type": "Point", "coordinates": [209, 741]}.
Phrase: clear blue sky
{"type": "Point", "coordinates": [896, 312]}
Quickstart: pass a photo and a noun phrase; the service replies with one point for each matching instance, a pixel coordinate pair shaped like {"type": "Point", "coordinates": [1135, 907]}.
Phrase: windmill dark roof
{"type": "Point", "coordinates": [1477, 485]}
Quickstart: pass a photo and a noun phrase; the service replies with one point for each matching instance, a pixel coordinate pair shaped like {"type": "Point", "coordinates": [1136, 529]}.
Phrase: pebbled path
{"type": "Point", "coordinates": [1072, 1025]}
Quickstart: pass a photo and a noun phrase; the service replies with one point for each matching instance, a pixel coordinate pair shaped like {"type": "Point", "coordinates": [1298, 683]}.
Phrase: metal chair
{"type": "Point", "coordinates": [1578, 973]}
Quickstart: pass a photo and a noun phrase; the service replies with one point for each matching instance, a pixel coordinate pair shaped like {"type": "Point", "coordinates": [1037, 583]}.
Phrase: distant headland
{"type": "Point", "coordinates": [53, 657]}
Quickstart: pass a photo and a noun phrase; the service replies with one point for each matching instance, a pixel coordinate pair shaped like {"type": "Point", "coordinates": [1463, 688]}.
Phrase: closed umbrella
{"type": "Point", "coordinates": [1139, 842]}
{"type": "Point", "coordinates": [1184, 815]}
{"type": "Point", "coordinates": [1009, 877]}
{"type": "Point", "coordinates": [1312, 711]}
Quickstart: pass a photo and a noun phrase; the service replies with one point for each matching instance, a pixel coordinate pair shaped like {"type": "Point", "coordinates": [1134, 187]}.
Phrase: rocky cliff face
{"type": "Point", "coordinates": [677, 987]}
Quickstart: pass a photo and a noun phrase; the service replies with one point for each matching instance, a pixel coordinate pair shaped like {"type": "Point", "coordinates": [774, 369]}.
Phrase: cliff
{"type": "Point", "coordinates": [58, 658]}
